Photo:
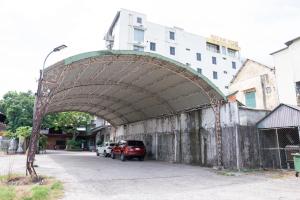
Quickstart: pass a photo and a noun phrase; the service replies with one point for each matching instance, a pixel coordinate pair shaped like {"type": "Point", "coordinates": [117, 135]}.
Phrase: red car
{"type": "Point", "coordinates": [127, 149]}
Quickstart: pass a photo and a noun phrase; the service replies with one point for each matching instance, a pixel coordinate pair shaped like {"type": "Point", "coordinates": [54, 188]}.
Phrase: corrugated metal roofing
{"type": "Point", "coordinates": [125, 86]}
{"type": "Point", "coordinates": [282, 116]}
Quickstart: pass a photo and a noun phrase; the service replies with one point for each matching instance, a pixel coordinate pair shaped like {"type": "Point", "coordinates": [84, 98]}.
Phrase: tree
{"type": "Point", "coordinates": [67, 121]}
{"type": "Point", "coordinates": [23, 131]}
{"type": "Point", "coordinates": [18, 108]}
{"type": "Point", "coordinates": [9, 134]}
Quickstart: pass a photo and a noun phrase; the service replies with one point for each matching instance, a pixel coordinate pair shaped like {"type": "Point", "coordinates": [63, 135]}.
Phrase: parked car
{"type": "Point", "coordinates": [127, 149]}
{"type": "Point", "coordinates": [105, 149]}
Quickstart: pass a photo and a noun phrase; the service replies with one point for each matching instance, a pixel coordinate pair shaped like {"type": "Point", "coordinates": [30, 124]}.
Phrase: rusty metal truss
{"type": "Point", "coordinates": [122, 87]}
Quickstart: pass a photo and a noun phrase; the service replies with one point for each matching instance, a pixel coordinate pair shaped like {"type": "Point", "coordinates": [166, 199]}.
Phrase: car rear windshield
{"type": "Point", "coordinates": [135, 143]}
{"type": "Point", "coordinates": [112, 144]}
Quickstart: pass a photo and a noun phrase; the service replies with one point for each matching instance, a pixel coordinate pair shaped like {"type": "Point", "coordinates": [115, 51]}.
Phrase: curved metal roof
{"type": "Point", "coordinates": [125, 86]}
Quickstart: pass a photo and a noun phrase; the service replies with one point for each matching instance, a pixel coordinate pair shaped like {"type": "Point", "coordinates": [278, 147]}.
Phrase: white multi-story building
{"type": "Point", "coordinates": [287, 65]}
{"type": "Point", "coordinates": [216, 58]}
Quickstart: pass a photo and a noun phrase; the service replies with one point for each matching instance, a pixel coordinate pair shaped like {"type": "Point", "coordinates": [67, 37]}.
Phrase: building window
{"type": "Point", "coordinates": [215, 75]}
{"type": "Point", "coordinates": [172, 50]}
{"type": "Point", "coordinates": [152, 46]}
{"type": "Point", "coordinates": [250, 99]}
{"type": "Point", "coordinates": [199, 70]}
{"type": "Point", "coordinates": [212, 47]}
{"type": "Point", "coordinates": [226, 87]}
{"type": "Point", "coordinates": [214, 60]}
{"type": "Point", "coordinates": [138, 48]}
{"type": "Point", "coordinates": [187, 49]}
{"type": "Point", "coordinates": [231, 52]}
{"type": "Point", "coordinates": [223, 50]}
{"type": "Point", "coordinates": [198, 55]}
{"type": "Point", "coordinates": [139, 20]}
{"type": "Point", "coordinates": [172, 35]}
{"type": "Point", "coordinates": [233, 65]}
{"type": "Point", "coordinates": [225, 72]}
{"type": "Point", "coordinates": [138, 35]}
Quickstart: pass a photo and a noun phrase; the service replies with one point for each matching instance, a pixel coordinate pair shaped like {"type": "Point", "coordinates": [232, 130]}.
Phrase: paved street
{"type": "Point", "coordinates": [87, 176]}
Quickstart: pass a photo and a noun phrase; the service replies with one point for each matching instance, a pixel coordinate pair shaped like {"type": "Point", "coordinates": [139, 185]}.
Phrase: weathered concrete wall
{"type": "Point", "coordinates": [249, 117]}
{"type": "Point", "coordinates": [248, 137]}
{"type": "Point", "coordinates": [104, 134]}
{"type": "Point", "coordinates": [190, 138]}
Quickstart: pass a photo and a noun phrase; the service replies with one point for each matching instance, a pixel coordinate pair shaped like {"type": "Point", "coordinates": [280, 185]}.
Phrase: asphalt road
{"type": "Point", "coordinates": [88, 177]}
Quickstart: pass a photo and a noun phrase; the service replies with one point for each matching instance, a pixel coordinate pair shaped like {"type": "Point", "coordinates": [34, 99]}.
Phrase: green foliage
{"type": "Point", "coordinates": [67, 121]}
{"type": "Point", "coordinates": [7, 193]}
{"type": "Point", "coordinates": [51, 121]}
{"type": "Point", "coordinates": [43, 141]}
{"type": "Point", "coordinates": [18, 108]}
{"type": "Point", "coordinates": [72, 144]}
{"type": "Point", "coordinates": [40, 193]}
{"type": "Point", "coordinates": [26, 198]}
{"type": "Point", "coordinates": [23, 131]}
{"type": "Point", "coordinates": [56, 186]}
{"type": "Point", "coordinates": [10, 134]}
{"type": "Point", "coordinates": [51, 189]}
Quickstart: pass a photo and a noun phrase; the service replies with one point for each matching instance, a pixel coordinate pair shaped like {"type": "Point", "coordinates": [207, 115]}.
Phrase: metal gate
{"type": "Point", "coordinates": [277, 145]}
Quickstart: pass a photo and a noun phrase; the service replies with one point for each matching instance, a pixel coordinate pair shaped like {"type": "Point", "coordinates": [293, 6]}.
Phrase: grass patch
{"type": "Point", "coordinates": [57, 186]}
{"type": "Point", "coordinates": [16, 187]}
{"type": "Point", "coordinates": [224, 173]}
{"type": "Point", "coordinates": [40, 193]}
{"type": "Point", "coordinates": [7, 193]}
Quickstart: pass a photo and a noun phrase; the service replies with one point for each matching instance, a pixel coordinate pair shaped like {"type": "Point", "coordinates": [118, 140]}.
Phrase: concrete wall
{"type": "Point", "coordinates": [104, 135]}
{"type": "Point", "coordinates": [189, 137]}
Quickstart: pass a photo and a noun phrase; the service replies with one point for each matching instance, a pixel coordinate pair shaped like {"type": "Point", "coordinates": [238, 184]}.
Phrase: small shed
{"type": "Point", "coordinates": [279, 136]}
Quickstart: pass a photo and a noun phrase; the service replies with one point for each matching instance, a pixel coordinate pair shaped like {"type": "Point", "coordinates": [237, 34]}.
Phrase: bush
{"type": "Point", "coordinates": [43, 142]}
{"type": "Point", "coordinates": [73, 144]}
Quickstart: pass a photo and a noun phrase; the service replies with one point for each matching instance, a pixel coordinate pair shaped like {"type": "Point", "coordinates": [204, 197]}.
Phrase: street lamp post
{"type": "Point", "coordinates": [39, 110]}
{"type": "Point", "coordinates": [54, 50]}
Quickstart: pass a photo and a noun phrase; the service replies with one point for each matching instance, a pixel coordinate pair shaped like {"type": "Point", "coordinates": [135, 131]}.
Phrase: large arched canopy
{"type": "Point", "coordinates": [125, 86]}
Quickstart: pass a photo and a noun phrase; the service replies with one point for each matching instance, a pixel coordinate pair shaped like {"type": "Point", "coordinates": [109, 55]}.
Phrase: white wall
{"type": "Point", "coordinates": [287, 64]}
{"type": "Point", "coordinates": [183, 40]}
{"type": "Point", "coordinates": [249, 78]}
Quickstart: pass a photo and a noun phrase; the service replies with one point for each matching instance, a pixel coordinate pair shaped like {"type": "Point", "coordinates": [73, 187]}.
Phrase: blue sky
{"type": "Point", "coordinates": [30, 29]}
